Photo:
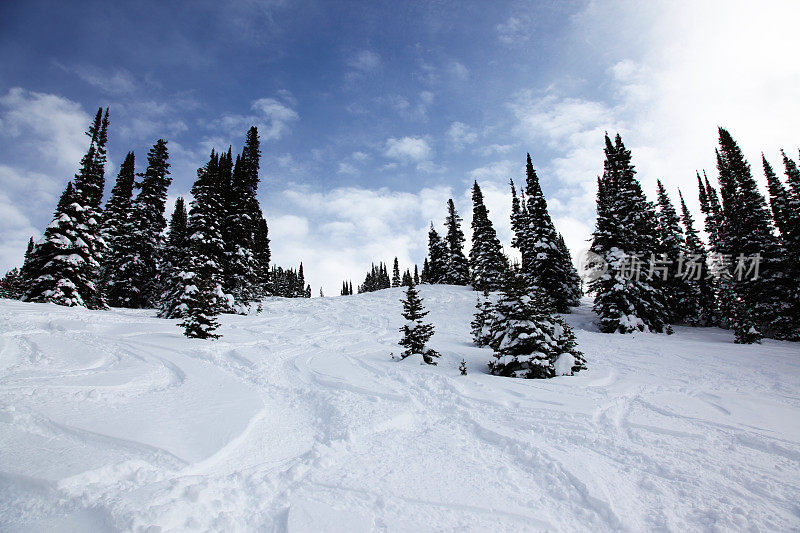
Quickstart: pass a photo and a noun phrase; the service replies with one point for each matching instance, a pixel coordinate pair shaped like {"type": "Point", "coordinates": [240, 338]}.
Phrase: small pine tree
{"type": "Point", "coordinates": [415, 333]}
{"type": "Point", "coordinates": [482, 320]}
{"type": "Point", "coordinates": [396, 274]}
{"type": "Point", "coordinates": [528, 339]}
{"type": "Point", "coordinates": [416, 275]}
{"type": "Point", "coordinates": [199, 321]}
{"type": "Point", "coordinates": [11, 285]}
{"type": "Point", "coordinates": [462, 367]}
{"type": "Point", "coordinates": [407, 280]}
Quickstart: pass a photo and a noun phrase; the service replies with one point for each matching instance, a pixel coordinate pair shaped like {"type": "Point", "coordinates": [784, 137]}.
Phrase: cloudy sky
{"type": "Point", "coordinates": [372, 114]}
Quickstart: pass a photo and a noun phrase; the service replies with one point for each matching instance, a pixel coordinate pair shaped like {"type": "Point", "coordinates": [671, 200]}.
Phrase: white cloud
{"type": "Point", "coordinates": [513, 30]}
{"type": "Point", "coordinates": [272, 118]}
{"type": "Point", "coordinates": [112, 81]}
{"type": "Point", "coordinates": [458, 70]}
{"type": "Point", "coordinates": [365, 61]}
{"type": "Point", "coordinates": [461, 135]}
{"type": "Point", "coordinates": [415, 149]}
{"type": "Point", "coordinates": [346, 168]}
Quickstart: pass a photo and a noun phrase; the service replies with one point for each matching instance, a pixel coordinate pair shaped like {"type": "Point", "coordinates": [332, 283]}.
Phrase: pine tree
{"type": "Point", "coordinates": [528, 339]}
{"type": "Point", "coordinates": [681, 298]}
{"type": "Point", "coordinates": [456, 266]}
{"type": "Point", "coordinates": [696, 271]}
{"type": "Point", "coordinates": [396, 274]}
{"type": "Point", "coordinates": [11, 285]}
{"type": "Point", "coordinates": [134, 280]}
{"type": "Point", "coordinates": [416, 275]}
{"type": "Point", "coordinates": [416, 334]}
{"type": "Point", "coordinates": [175, 262]}
{"type": "Point", "coordinates": [263, 257]}
{"type": "Point", "coordinates": [758, 306]}
{"type": "Point", "coordinates": [242, 226]}
{"type": "Point", "coordinates": [483, 318]}
{"type": "Point", "coordinates": [625, 232]}
{"type": "Point", "coordinates": [486, 260]}
{"type": "Point", "coordinates": [203, 278]}
{"type": "Point", "coordinates": [25, 271]}
{"type": "Point", "coordinates": [65, 264]}
{"type": "Point", "coordinates": [407, 280]}
{"type": "Point", "coordinates": [116, 219]}
{"type": "Point", "coordinates": [778, 199]}
{"type": "Point", "coordinates": [425, 275]}
{"type": "Point", "coordinates": [543, 260]}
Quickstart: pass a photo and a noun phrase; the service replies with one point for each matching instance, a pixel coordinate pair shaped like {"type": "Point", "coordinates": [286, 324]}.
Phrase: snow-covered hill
{"type": "Point", "coordinates": [299, 420]}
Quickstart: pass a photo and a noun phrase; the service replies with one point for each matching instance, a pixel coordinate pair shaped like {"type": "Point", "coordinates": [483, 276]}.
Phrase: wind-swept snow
{"type": "Point", "coordinates": [297, 419]}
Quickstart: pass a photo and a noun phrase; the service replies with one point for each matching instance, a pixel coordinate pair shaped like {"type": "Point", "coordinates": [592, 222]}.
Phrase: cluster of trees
{"type": "Point", "coordinates": [215, 258]}
{"type": "Point", "coordinates": [741, 227]}
{"type": "Point", "coordinates": [378, 278]}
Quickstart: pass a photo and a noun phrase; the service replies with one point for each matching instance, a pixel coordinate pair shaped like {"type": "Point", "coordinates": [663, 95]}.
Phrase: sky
{"type": "Point", "coordinates": [372, 114]}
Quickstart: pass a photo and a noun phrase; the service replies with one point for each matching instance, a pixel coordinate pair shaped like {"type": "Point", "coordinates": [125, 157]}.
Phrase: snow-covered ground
{"type": "Point", "coordinates": [299, 420]}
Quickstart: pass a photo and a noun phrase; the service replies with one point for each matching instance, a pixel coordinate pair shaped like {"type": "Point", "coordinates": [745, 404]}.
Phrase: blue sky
{"type": "Point", "coordinates": [372, 114]}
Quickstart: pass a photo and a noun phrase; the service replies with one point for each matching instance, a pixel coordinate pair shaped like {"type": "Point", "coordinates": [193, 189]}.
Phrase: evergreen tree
{"type": "Point", "coordinates": [573, 279]}
{"type": "Point", "coordinates": [778, 199]}
{"type": "Point", "coordinates": [11, 285]}
{"type": "Point", "coordinates": [696, 272]}
{"type": "Point", "coordinates": [134, 279]}
{"type": "Point", "coordinates": [300, 291]}
{"type": "Point", "coordinates": [437, 257]}
{"type": "Point", "coordinates": [174, 264]}
{"type": "Point", "coordinates": [483, 318]}
{"type": "Point", "coordinates": [543, 260]}
{"type": "Point", "coordinates": [456, 266]}
{"type": "Point", "coordinates": [202, 294]}
{"type": "Point", "coordinates": [25, 271]}
{"type": "Point", "coordinates": [415, 333]}
{"type": "Point", "coordinates": [245, 247]}
{"type": "Point", "coordinates": [425, 275]}
{"type": "Point", "coordinates": [65, 264]}
{"type": "Point", "coordinates": [396, 274]}
{"type": "Point", "coordinates": [486, 259]}
{"type": "Point", "coordinates": [407, 280]}
{"type": "Point", "coordinates": [758, 306]}
{"type": "Point", "coordinates": [528, 339]}
{"type": "Point", "coordinates": [681, 297]}
{"type": "Point", "coordinates": [625, 232]}
{"type": "Point", "coordinates": [116, 219]}
{"type": "Point", "coordinates": [416, 275]}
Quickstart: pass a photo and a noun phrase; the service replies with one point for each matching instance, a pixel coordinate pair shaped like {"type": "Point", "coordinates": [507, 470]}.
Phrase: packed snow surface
{"type": "Point", "coordinates": [299, 420]}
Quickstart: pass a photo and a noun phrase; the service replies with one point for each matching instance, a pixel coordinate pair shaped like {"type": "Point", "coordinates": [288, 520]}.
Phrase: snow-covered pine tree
{"type": "Point", "coordinates": [456, 265]}
{"type": "Point", "coordinates": [482, 320]}
{"type": "Point", "coordinates": [778, 199]}
{"type": "Point", "coordinates": [681, 297]}
{"type": "Point", "coordinates": [134, 280]}
{"type": "Point", "coordinates": [543, 260]}
{"type": "Point", "coordinates": [625, 233]}
{"type": "Point", "coordinates": [486, 260]}
{"type": "Point", "coordinates": [696, 271]}
{"type": "Point", "coordinates": [437, 257]}
{"type": "Point", "coordinates": [518, 223]}
{"type": "Point", "coordinates": [174, 264]}
{"type": "Point", "coordinates": [416, 275]}
{"type": "Point", "coordinates": [425, 275]}
{"type": "Point", "coordinates": [65, 264]}
{"type": "Point", "coordinates": [759, 305]}
{"type": "Point", "coordinates": [528, 339]}
{"type": "Point", "coordinates": [396, 274]}
{"type": "Point", "coordinates": [203, 277]}
{"type": "Point", "coordinates": [573, 279]}
{"type": "Point", "coordinates": [300, 291]}
{"type": "Point", "coordinates": [117, 214]}
{"type": "Point", "coordinates": [791, 237]}
{"type": "Point", "coordinates": [25, 271]}
{"type": "Point", "coordinates": [242, 226]}
{"type": "Point", "coordinates": [263, 257]}
{"type": "Point", "coordinates": [416, 334]}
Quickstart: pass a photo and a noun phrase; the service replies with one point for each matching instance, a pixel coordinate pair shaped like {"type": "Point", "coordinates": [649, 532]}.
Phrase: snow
{"type": "Point", "coordinates": [563, 364]}
{"type": "Point", "coordinates": [298, 419]}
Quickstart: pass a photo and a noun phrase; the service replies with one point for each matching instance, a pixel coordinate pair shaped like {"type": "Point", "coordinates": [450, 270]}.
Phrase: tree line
{"type": "Point", "coordinates": [214, 258]}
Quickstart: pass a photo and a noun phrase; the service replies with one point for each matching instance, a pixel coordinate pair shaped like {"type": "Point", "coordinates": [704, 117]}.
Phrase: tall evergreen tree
{"type": "Point", "coordinates": [203, 278]}
{"type": "Point", "coordinates": [25, 271]}
{"type": "Point", "coordinates": [437, 257]}
{"type": "Point", "coordinates": [681, 297]}
{"type": "Point", "coordinates": [757, 305]}
{"type": "Point", "coordinates": [625, 232]}
{"type": "Point", "coordinates": [456, 267]}
{"type": "Point", "coordinates": [174, 264]}
{"type": "Point", "coordinates": [116, 219]}
{"type": "Point", "coordinates": [486, 259]}
{"type": "Point", "coordinates": [695, 270]}
{"type": "Point", "coordinates": [134, 282]}
{"type": "Point", "coordinates": [11, 285]}
{"type": "Point", "coordinates": [263, 256]}
{"type": "Point", "coordinates": [416, 275]}
{"type": "Point", "coordinates": [528, 339]}
{"type": "Point", "coordinates": [416, 334]}
{"type": "Point", "coordinates": [65, 265]}
{"type": "Point", "coordinates": [243, 216]}
{"type": "Point", "coordinates": [543, 260]}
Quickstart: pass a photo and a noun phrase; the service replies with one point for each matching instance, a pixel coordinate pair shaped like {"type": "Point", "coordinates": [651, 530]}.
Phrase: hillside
{"type": "Point", "coordinates": [297, 419]}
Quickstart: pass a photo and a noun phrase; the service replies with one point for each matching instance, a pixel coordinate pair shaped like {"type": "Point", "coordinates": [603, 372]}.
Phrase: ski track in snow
{"type": "Point", "coordinates": [298, 420]}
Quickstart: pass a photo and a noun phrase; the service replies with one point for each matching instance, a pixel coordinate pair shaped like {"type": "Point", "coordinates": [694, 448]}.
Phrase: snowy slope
{"type": "Point", "coordinates": [297, 419]}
